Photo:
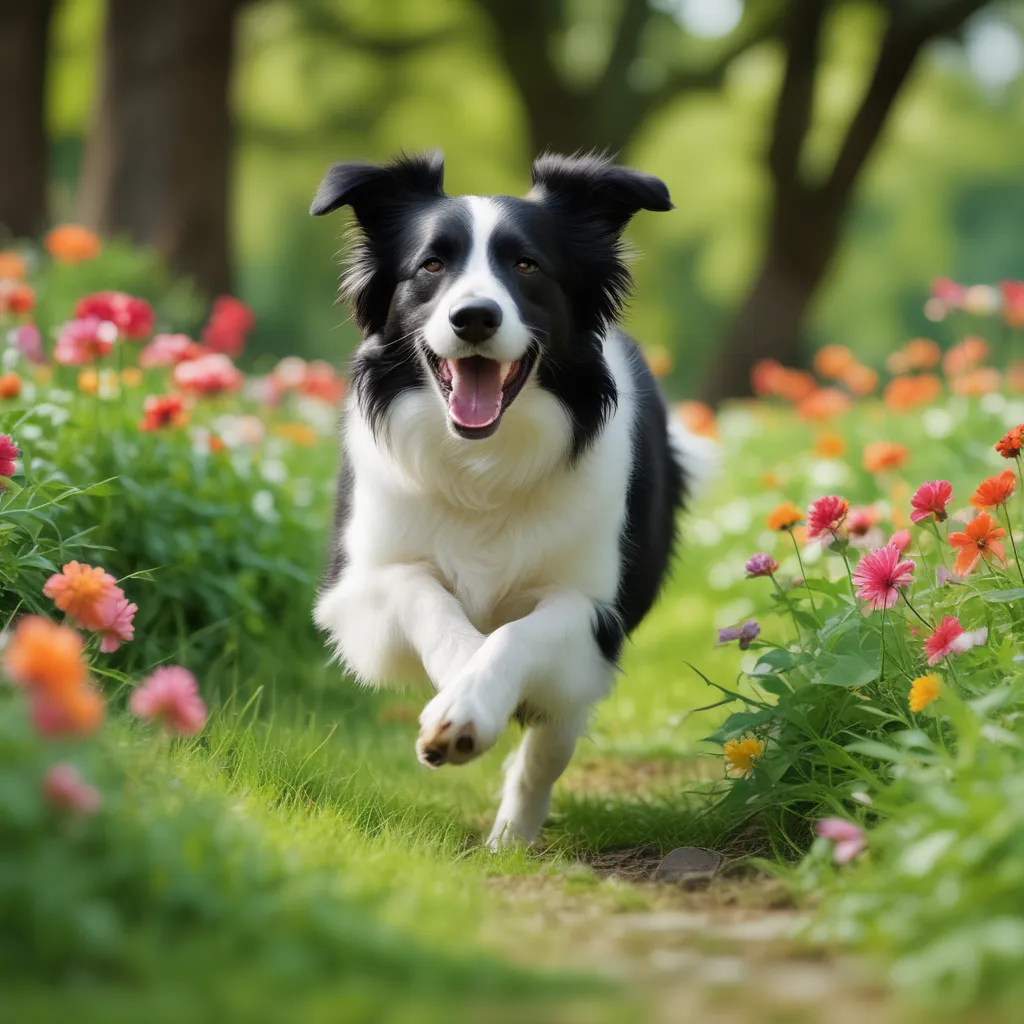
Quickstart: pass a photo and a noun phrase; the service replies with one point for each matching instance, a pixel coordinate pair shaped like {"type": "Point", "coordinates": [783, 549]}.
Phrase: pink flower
{"type": "Point", "coordinates": [82, 341]}
{"type": "Point", "coordinates": [825, 516]}
{"type": "Point", "coordinates": [9, 451]}
{"type": "Point", "coordinates": [208, 375]}
{"type": "Point", "coordinates": [169, 350]}
{"type": "Point", "coordinates": [170, 695]}
{"type": "Point", "coordinates": [1013, 302]}
{"type": "Point", "coordinates": [931, 499]}
{"type": "Point", "coordinates": [229, 325]}
{"type": "Point", "coordinates": [951, 638]}
{"type": "Point", "coordinates": [848, 838]}
{"type": "Point", "coordinates": [948, 292]}
{"type": "Point", "coordinates": [132, 317]}
{"type": "Point", "coordinates": [29, 342]}
{"type": "Point", "coordinates": [118, 628]}
{"type": "Point", "coordinates": [64, 789]}
{"type": "Point", "coordinates": [880, 574]}
{"type": "Point", "coordinates": [900, 540]}
{"type": "Point", "coordinates": [761, 564]}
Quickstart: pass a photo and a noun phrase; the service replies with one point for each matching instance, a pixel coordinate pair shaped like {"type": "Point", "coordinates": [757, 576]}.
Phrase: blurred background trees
{"type": "Point", "coordinates": [827, 158]}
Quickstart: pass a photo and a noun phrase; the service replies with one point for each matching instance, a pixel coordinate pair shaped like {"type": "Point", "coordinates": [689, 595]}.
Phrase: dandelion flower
{"type": "Point", "coordinates": [745, 634]}
{"type": "Point", "coordinates": [88, 594]}
{"type": "Point", "coordinates": [931, 499]}
{"type": "Point", "coordinates": [849, 840]}
{"type": "Point", "coordinates": [979, 539]}
{"type": "Point", "coordinates": [785, 517]}
{"type": "Point", "coordinates": [951, 638]}
{"type": "Point", "coordinates": [741, 755]}
{"type": "Point", "coordinates": [1010, 444]}
{"type": "Point", "coordinates": [170, 696]}
{"type": "Point", "coordinates": [825, 516]}
{"type": "Point", "coordinates": [64, 789]}
{"type": "Point", "coordinates": [995, 491]}
{"type": "Point", "coordinates": [883, 455]}
{"type": "Point", "coordinates": [44, 656]}
{"type": "Point", "coordinates": [924, 690]}
{"type": "Point", "coordinates": [761, 564]}
{"type": "Point", "coordinates": [880, 574]}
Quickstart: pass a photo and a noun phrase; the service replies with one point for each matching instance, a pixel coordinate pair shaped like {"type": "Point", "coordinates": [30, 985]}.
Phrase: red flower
{"type": "Point", "coordinates": [169, 350]}
{"type": "Point", "coordinates": [16, 298]}
{"type": "Point", "coordinates": [229, 325]}
{"type": "Point", "coordinates": [1013, 302]}
{"type": "Point", "coordinates": [9, 451]}
{"type": "Point", "coordinates": [980, 539]}
{"type": "Point", "coordinates": [320, 381]}
{"type": "Point", "coordinates": [826, 515]}
{"type": "Point", "coordinates": [160, 411]}
{"type": "Point", "coordinates": [1010, 444]}
{"type": "Point", "coordinates": [82, 341]}
{"type": "Point", "coordinates": [880, 574]}
{"type": "Point", "coordinates": [951, 638]}
{"type": "Point", "coordinates": [995, 491]}
{"type": "Point", "coordinates": [170, 695]}
{"type": "Point", "coordinates": [208, 375]}
{"type": "Point", "coordinates": [900, 540]}
{"type": "Point", "coordinates": [931, 499]}
{"type": "Point", "coordinates": [133, 317]}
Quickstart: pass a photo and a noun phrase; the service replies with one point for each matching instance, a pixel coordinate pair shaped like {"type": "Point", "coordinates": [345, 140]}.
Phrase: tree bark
{"type": "Point", "coordinates": [158, 164]}
{"type": "Point", "coordinates": [24, 34]}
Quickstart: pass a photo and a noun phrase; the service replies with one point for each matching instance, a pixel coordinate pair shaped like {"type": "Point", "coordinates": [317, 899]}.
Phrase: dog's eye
{"type": "Point", "coordinates": [433, 265]}
{"type": "Point", "coordinates": [526, 266]}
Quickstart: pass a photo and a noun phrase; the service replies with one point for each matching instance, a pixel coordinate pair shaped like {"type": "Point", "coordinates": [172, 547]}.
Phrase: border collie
{"type": "Point", "coordinates": [509, 486]}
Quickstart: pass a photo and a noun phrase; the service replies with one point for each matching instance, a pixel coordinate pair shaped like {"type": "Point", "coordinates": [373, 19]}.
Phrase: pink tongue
{"type": "Point", "coordinates": [475, 400]}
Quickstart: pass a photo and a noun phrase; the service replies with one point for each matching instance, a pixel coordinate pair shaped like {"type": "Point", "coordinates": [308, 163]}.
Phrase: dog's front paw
{"type": "Point", "coordinates": [454, 730]}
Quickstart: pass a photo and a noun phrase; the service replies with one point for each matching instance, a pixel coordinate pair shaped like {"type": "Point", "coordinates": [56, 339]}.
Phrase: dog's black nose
{"type": "Point", "coordinates": [475, 320]}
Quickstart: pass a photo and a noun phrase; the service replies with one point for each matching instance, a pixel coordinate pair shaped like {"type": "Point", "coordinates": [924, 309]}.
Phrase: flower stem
{"type": "Point", "coordinates": [849, 571]}
{"type": "Point", "coordinates": [915, 611]}
{"type": "Point", "coordinates": [1013, 543]}
{"type": "Point", "coordinates": [803, 572]}
{"type": "Point", "coordinates": [938, 538]}
{"type": "Point", "coordinates": [881, 667]}
{"type": "Point", "coordinates": [789, 605]}
{"type": "Point", "coordinates": [1020, 470]}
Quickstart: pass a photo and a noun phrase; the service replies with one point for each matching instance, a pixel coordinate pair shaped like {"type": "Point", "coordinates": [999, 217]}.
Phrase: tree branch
{"type": "Point", "coordinates": [795, 103]}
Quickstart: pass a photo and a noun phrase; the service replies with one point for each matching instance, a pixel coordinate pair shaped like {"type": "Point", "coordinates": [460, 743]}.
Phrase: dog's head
{"type": "Point", "coordinates": [481, 296]}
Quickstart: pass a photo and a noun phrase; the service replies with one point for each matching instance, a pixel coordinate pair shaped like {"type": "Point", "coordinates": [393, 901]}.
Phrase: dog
{"type": "Point", "coordinates": [510, 482]}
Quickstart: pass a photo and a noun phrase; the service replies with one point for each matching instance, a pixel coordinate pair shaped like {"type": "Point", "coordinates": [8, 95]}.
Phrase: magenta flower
{"type": "Point", "coordinates": [930, 500]}
{"type": "Point", "coordinates": [900, 540]}
{"type": "Point", "coordinates": [849, 840]}
{"type": "Point", "coordinates": [9, 451]}
{"type": "Point", "coordinates": [118, 628]}
{"type": "Point", "coordinates": [170, 696]}
{"type": "Point", "coordinates": [29, 342]}
{"type": "Point", "coordinates": [951, 638]}
{"type": "Point", "coordinates": [825, 516]}
{"type": "Point", "coordinates": [746, 634]}
{"type": "Point", "coordinates": [82, 341]}
{"type": "Point", "coordinates": [64, 789]}
{"type": "Point", "coordinates": [880, 574]}
{"type": "Point", "coordinates": [761, 564]}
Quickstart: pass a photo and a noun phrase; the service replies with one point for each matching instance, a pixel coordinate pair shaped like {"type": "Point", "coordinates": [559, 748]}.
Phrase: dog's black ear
{"type": "Point", "coordinates": [590, 185]}
{"type": "Point", "coordinates": [368, 188]}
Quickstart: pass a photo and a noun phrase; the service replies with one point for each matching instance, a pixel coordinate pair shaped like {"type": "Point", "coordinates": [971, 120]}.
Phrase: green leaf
{"type": "Point", "coordinates": [1003, 596]}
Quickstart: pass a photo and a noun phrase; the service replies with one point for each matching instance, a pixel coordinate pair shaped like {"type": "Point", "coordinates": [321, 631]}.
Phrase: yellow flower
{"type": "Point", "coordinates": [131, 377]}
{"type": "Point", "coordinates": [923, 690]}
{"type": "Point", "coordinates": [740, 756]}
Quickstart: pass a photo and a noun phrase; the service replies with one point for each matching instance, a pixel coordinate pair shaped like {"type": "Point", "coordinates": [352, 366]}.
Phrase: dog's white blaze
{"type": "Point", "coordinates": [477, 281]}
{"type": "Point", "coordinates": [477, 564]}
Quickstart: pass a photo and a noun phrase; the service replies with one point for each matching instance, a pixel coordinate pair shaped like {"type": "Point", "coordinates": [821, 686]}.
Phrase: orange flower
{"type": "Point", "coordinates": [88, 381]}
{"type": "Point", "coordinates": [771, 480]}
{"type": "Point", "coordinates": [980, 539]}
{"type": "Point", "coordinates": [72, 243]}
{"type": "Point", "coordinates": [45, 656]}
{"type": "Point", "coordinates": [16, 298]}
{"type": "Point", "coordinates": [764, 376]}
{"type": "Point", "coordinates": [824, 403]}
{"type": "Point", "coordinates": [861, 380]}
{"type": "Point", "coordinates": [904, 393]}
{"type": "Point", "coordinates": [1015, 377]}
{"type": "Point", "coordinates": [769, 377]}
{"type": "Point", "coordinates": [832, 361]}
{"type": "Point", "coordinates": [297, 433]}
{"type": "Point", "coordinates": [922, 354]}
{"type": "Point", "coordinates": [86, 593]}
{"type": "Point", "coordinates": [965, 356]}
{"type": "Point", "coordinates": [1010, 444]}
{"type": "Point", "coordinates": [882, 455]}
{"type": "Point", "coordinates": [12, 265]}
{"type": "Point", "coordinates": [659, 360]}
{"type": "Point", "coordinates": [698, 418]}
{"type": "Point", "coordinates": [73, 712]}
{"type": "Point", "coordinates": [785, 517]}
{"type": "Point", "coordinates": [131, 377]}
{"type": "Point", "coordinates": [995, 491]}
{"type": "Point", "coordinates": [10, 385]}
{"type": "Point", "coordinates": [974, 383]}
{"type": "Point", "coordinates": [830, 446]}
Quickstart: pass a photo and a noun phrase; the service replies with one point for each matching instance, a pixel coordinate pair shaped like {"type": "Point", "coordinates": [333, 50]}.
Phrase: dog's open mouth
{"type": "Point", "coordinates": [478, 390]}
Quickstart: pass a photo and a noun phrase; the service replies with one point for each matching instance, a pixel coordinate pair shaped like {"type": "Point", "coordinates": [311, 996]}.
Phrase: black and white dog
{"type": "Point", "coordinates": [510, 480]}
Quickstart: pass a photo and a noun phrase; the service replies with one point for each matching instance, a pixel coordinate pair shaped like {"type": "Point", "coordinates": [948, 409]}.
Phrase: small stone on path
{"type": "Point", "coordinates": [689, 866]}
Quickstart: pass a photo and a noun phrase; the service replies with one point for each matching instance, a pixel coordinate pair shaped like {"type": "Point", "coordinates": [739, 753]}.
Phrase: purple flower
{"type": "Point", "coordinates": [29, 342]}
{"type": "Point", "coordinates": [746, 634]}
{"type": "Point", "coordinates": [761, 564]}
{"type": "Point", "coordinates": [848, 838]}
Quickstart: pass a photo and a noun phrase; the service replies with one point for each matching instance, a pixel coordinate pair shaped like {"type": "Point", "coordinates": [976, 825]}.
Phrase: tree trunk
{"type": "Point", "coordinates": [158, 164]}
{"type": "Point", "coordinates": [24, 32]}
